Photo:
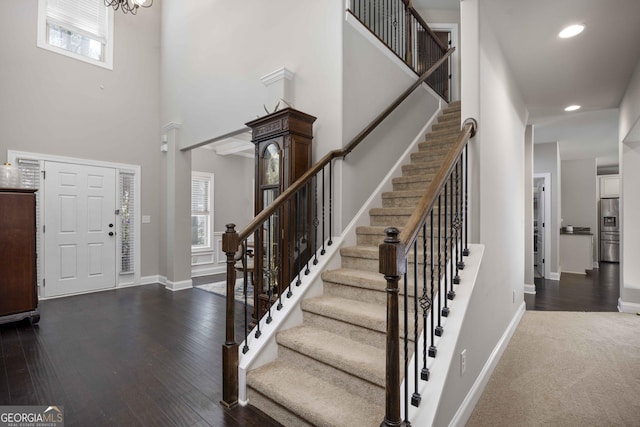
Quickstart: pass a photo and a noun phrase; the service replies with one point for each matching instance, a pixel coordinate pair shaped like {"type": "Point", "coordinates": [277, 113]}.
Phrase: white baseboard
{"type": "Point", "coordinates": [554, 276]}
{"type": "Point", "coordinates": [148, 280]}
{"type": "Point", "coordinates": [176, 286]}
{"type": "Point", "coordinates": [628, 307]}
{"type": "Point", "coordinates": [469, 403]}
{"type": "Point", "coordinates": [529, 289]}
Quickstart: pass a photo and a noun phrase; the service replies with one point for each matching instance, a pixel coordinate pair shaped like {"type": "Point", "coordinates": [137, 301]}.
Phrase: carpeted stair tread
{"type": "Point", "coordinates": [347, 355]}
{"type": "Point", "coordinates": [367, 252]}
{"type": "Point", "coordinates": [313, 399]}
{"type": "Point", "coordinates": [357, 278]}
{"type": "Point", "coordinates": [371, 316]}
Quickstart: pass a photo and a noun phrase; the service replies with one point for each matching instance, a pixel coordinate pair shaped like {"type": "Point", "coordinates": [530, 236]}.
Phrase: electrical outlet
{"type": "Point", "coordinates": [463, 362]}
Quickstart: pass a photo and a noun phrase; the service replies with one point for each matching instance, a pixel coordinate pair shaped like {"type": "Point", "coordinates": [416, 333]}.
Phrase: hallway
{"type": "Point", "coordinates": [598, 291]}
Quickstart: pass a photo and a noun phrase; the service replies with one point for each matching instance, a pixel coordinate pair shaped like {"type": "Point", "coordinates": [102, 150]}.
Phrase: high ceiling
{"type": "Point", "coordinates": [592, 69]}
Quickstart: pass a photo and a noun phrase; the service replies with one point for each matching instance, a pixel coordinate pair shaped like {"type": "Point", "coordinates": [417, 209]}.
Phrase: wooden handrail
{"type": "Point", "coordinates": [309, 174]}
{"type": "Point", "coordinates": [411, 230]}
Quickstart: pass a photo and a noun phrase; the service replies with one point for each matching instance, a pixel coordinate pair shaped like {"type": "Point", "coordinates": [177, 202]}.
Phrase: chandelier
{"type": "Point", "coordinates": [128, 6]}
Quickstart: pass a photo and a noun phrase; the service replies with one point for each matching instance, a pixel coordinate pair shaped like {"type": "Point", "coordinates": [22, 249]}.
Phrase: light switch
{"type": "Point", "coordinates": [146, 219]}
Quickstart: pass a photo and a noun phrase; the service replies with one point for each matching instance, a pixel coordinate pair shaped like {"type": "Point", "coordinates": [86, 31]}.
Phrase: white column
{"type": "Point", "coordinates": [279, 89]}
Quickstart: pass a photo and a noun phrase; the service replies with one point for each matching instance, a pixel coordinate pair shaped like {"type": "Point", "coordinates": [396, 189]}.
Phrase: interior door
{"type": "Point", "coordinates": [79, 221]}
{"type": "Point", "coordinates": [538, 229]}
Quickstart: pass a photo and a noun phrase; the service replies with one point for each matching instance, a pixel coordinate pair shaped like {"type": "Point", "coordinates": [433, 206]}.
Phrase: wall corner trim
{"type": "Point", "coordinates": [276, 76]}
{"type": "Point", "coordinates": [554, 276]}
{"type": "Point", "coordinates": [628, 307]}
{"type": "Point", "coordinates": [529, 289]}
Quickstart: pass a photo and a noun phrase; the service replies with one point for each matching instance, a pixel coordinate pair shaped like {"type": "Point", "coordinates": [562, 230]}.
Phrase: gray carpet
{"type": "Point", "coordinates": [566, 369]}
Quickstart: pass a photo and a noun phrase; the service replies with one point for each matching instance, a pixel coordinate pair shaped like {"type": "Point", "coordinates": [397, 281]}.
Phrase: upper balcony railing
{"type": "Point", "coordinates": [397, 24]}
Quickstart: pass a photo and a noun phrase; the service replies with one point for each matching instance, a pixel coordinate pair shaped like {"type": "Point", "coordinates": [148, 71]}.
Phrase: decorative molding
{"type": "Point", "coordinates": [170, 126]}
{"type": "Point", "coordinates": [468, 404]}
{"type": "Point", "coordinates": [276, 76]}
{"type": "Point", "coordinates": [233, 145]}
{"type": "Point", "coordinates": [628, 307]}
{"type": "Point", "coordinates": [529, 289]}
{"type": "Point", "coordinates": [554, 275]}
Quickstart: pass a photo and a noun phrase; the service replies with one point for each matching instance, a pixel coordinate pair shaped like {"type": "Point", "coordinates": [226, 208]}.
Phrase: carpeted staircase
{"type": "Point", "coordinates": [330, 371]}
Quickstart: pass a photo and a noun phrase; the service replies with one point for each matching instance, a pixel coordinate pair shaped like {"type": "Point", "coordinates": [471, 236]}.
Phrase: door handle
{"type": "Point", "coordinates": [110, 225]}
{"type": "Point", "coordinates": [111, 233]}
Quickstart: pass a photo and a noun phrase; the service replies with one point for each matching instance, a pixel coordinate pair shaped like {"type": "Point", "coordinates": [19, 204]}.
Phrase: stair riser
{"type": "Point", "coordinates": [368, 264]}
{"type": "Point", "coordinates": [450, 125]}
{"type": "Point", "coordinates": [274, 410]}
{"type": "Point", "coordinates": [377, 239]}
{"type": "Point", "coordinates": [407, 202]}
{"type": "Point", "coordinates": [353, 384]}
{"type": "Point", "coordinates": [371, 296]}
{"type": "Point", "coordinates": [419, 169]}
{"type": "Point", "coordinates": [411, 185]}
{"type": "Point", "coordinates": [357, 333]}
{"type": "Point", "coordinates": [439, 150]}
{"type": "Point", "coordinates": [427, 159]}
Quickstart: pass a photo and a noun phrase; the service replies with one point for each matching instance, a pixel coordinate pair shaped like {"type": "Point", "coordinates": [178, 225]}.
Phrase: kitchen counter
{"type": "Point", "coordinates": [576, 251]}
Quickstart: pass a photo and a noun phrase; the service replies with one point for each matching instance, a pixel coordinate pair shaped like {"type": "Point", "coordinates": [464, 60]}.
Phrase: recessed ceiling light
{"type": "Point", "coordinates": [572, 108]}
{"type": "Point", "coordinates": [571, 31]}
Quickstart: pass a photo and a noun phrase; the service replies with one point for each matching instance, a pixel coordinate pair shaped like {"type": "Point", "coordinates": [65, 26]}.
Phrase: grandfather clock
{"type": "Point", "coordinates": [282, 246]}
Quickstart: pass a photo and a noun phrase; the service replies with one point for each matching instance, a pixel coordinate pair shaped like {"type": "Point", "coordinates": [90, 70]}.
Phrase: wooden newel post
{"type": "Point", "coordinates": [392, 266]}
{"type": "Point", "coordinates": [230, 243]}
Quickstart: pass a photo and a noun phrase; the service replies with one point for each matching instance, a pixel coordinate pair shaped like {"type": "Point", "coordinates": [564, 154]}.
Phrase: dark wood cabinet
{"type": "Point", "coordinates": [18, 287]}
{"type": "Point", "coordinates": [283, 153]}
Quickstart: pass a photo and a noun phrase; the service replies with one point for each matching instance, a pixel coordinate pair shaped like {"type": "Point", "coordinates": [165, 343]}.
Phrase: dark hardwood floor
{"type": "Point", "coordinates": [140, 356]}
{"type": "Point", "coordinates": [598, 291]}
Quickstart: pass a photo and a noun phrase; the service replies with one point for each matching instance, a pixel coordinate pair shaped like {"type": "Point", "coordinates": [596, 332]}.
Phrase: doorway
{"type": "Point", "coordinates": [541, 225]}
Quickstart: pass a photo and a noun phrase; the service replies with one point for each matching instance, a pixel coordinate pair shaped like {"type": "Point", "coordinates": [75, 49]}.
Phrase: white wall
{"type": "Point", "coordinates": [580, 196]}
{"type": "Point", "coordinates": [371, 82]}
{"type": "Point", "coordinates": [528, 207]}
{"type": "Point", "coordinates": [214, 53]}
{"type": "Point", "coordinates": [629, 132]}
{"type": "Point", "coordinates": [499, 176]}
{"type": "Point", "coordinates": [53, 104]}
{"type": "Point", "coordinates": [546, 159]}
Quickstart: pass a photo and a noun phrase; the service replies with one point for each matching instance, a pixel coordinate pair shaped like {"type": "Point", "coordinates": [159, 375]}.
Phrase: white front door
{"type": "Point", "coordinates": [79, 220]}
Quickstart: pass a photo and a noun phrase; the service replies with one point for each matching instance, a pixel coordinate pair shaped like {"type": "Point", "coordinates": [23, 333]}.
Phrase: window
{"type": "Point", "coordinates": [127, 221]}
{"type": "Point", "coordinates": [81, 29]}
{"type": "Point", "coordinates": [201, 210]}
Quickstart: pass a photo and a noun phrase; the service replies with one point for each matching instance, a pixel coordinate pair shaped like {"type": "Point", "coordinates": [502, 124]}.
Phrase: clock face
{"type": "Point", "coordinates": [271, 165]}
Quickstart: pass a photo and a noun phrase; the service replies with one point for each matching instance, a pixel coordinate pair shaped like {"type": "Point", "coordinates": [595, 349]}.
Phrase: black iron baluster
{"type": "Point", "coordinates": [432, 348]}
{"type": "Point", "coordinates": [456, 227]}
{"type": "Point", "coordinates": [424, 305]}
{"type": "Point", "coordinates": [406, 340]}
{"type": "Point", "coordinates": [323, 218]}
{"type": "Point", "coordinates": [461, 219]}
{"type": "Point", "coordinates": [439, 328]}
{"type": "Point", "coordinates": [305, 225]}
{"type": "Point", "coordinates": [330, 242]}
{"type": "Point", "coordinates": [447, 248]}
{"type": "Point", "coordinates": [466, 251]}
{"type": "Point", "coordinates": [314, 247]}
{"type": "Point", "coordinates": [270, 263]}
{"type": "Point", "coordinates": [245, 348]}
{"type": "Point", "coordinates": [296, 248]}
{"type": "Point", "coordinates": [415, 397]}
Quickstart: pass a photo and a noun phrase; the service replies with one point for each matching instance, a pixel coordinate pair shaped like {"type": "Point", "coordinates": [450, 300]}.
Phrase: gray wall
{"type": "Point", "coordinates": [233, 190]}
{"type": "Point", "coordinates": [491, 96]}
{"type": "Point", "coordinates": [369, 163]}
{"type": "Point", "coordinates": [53, 104]}
{"type": "Point", "coordinates": [546, 159]}
{"type": "Point", "coordinates": [579, 195]}
{"type": "Point", "coordinates": [528, 206]}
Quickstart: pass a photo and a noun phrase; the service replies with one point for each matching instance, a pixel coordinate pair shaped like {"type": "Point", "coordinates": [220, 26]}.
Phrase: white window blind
{"type": "Point", "coordinates": [127, 222]}
{"type": "Point", "coordinates": [201, 210]}
{"type": "Point", "coordinates": [88, 17]}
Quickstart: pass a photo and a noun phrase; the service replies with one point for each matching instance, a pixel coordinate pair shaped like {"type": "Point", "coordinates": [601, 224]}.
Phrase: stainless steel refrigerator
{"type": "Point", "coordinates": [610, 230]}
